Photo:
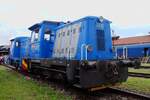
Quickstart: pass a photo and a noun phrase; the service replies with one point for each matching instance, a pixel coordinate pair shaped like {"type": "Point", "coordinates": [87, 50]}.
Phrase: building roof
{"type": "Point", "coordinates": [132, 40]}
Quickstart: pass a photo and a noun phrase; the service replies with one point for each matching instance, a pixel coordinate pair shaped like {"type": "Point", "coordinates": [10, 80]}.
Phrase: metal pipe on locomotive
{"type": "Point", "coordinates": [79, 51]}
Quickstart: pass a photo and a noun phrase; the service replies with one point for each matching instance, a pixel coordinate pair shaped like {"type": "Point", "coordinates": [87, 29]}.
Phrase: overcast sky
{"type": "Point", "coordinates": [129, 17]}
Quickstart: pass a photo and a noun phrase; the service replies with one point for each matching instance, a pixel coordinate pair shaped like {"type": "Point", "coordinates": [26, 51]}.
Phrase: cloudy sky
{"type": "Point", "coordinates": [129, 17]}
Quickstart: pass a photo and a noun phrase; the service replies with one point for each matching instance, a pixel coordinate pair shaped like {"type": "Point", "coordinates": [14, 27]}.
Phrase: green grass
{"type": "Point", "coordinates": [14, 86]}
{"type": "Point", "coordinates": [137, 84]}
{"type": "Point", "coordinates": [147, 71]}
{"type": "Point", "coordinates": [145, 64]}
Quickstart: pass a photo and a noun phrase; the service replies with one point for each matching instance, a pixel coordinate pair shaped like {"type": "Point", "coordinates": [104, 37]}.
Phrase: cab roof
{"type": "Point", "coordinates": [19, 38]}
{"type": "Point", "coordinates": [37, 25]}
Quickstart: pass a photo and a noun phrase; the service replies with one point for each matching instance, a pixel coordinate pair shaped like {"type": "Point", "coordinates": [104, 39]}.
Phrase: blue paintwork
{"type": "Point", "coordinates": [42, 48]}
{"type": "Point", "coordinates": [134, 50]}
{"type": "Point", "coordinates": [88, 36]}
{"type": "Point", "coordinates": [19, 48]}
{"type": "Point", "coordinates": [24, 48]}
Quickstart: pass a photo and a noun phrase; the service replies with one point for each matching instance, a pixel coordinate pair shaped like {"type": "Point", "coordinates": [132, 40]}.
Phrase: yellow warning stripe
{"type": "Point", "coordinates": [24, 64]}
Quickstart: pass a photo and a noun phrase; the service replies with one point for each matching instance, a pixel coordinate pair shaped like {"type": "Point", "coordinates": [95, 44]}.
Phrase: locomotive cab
{"type": "Point", "coordinates": [18, 50]}
{"type": "Point", "coordinates": [42, 39]}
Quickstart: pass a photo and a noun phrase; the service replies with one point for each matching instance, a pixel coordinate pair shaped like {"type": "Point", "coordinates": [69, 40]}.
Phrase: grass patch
{"type": "Point", "coordinates": [14, 86]}
{"type": "Point", "coordinates": [147, 71]}
{"type": "Point", "coordinates": [137, 84]}
{"type": "Point", "coordinates": [145, 64]}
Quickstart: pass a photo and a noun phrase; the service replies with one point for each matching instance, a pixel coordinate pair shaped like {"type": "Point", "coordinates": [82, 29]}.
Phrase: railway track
{"type": "Point", "coordinates": [145, 67]}
{"type": "Point", "coordinates": [113, 93]}
{"type": "Point", "coordinates": [144, 75]}
{"type": "Point", "coordinates": [139, 67]}
{"type": "Point", "coordinates": [104, 94]}
{"type": "Point", "coordinates": [9, 66]}
{"type": "Point", "coordinates": [129, 93]}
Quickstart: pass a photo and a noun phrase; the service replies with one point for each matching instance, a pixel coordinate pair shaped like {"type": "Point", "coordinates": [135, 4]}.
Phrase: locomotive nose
{"type": "Point", "coordinates": [111, 71]}
{"type": "Point", "coordinates": [102, 72]}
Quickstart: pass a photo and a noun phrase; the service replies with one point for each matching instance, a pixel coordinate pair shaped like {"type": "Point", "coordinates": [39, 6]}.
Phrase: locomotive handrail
{"type": "Point", "coordinates": [82, 48]}
{"type": "Point", "coordinates": [86, 48]}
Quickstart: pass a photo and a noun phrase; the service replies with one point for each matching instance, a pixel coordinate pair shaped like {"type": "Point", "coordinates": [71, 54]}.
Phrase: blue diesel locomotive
{"type": "Point", "coordinates": [79, 51]}
{"type": "Point", "coordinates": [19, 49]}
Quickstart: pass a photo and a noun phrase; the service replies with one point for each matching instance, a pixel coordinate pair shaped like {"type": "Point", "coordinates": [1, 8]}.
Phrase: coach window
{"type": "Point", "coordinates": [145, 52]}
{"type": "Point", "coordinates": [47, 34]}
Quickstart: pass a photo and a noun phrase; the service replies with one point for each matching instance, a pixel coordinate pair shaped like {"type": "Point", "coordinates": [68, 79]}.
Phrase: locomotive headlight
{"type": "Point", "coordinates": [89, 48]}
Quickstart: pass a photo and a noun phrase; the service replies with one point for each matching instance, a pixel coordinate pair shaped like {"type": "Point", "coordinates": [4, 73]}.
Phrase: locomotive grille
{"type": "Point", "coordinates": [100, 39]}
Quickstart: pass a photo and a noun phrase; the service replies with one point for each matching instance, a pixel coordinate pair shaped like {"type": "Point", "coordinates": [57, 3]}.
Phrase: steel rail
{"type": "Point", "coordinates": [144, 75]}
{"type": "Point", "coordinates": [130, 93]}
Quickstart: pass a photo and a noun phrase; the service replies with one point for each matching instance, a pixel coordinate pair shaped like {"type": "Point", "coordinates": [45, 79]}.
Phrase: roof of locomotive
{"type": "Point", "coordinates": [37, 25]}
{"type": "Point", "coordinates": [20, 38]}
{"type": "Point", "coordinates": [82, 19]}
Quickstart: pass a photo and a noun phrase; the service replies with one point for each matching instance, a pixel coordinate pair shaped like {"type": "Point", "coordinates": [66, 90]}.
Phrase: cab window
{"type": "Point", "coordinates": [47, 35]}
{"type": "Point", "coordinates": [52, 38]}
{"type": "Point", "coordinates": [17, 44]}
{"type": "Point", "coordinates": [35, 35]}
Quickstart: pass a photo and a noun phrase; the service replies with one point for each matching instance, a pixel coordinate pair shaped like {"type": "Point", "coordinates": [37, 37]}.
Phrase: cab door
{"type": "Point", "coordinates": [35, 44]}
